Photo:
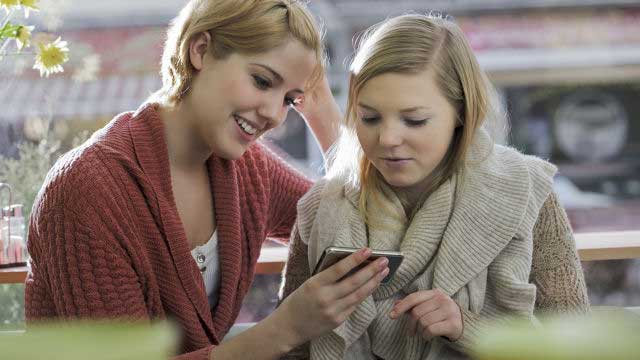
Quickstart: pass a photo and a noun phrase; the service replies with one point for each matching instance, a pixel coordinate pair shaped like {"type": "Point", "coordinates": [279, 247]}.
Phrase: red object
{"type": "Point", "coordinates": [106, 240]}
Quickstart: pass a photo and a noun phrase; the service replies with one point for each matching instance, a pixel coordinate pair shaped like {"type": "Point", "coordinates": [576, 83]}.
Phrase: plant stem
{"type": "Point", "coordinates": [6, 19]}
{"type": "Point", "coordinates": [5, 42]}
{"type": "Point", "coordinates": [4, 23]}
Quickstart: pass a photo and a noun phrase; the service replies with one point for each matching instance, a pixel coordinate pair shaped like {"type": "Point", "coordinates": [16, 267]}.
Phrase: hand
{"type": "Point", "coordinates": [323, 302]}
{"type": "Point", "coordinates": [431, 313]}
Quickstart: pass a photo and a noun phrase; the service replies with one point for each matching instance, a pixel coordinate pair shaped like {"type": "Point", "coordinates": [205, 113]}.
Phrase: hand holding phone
{"type": "Point", "coordinates": [333, 254]}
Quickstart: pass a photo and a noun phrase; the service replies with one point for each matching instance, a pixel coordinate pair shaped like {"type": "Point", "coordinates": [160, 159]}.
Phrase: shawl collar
{"type": "Point", "coordinates": [146, 130]}
{"type": "Point", "coordinates": [489, 197]}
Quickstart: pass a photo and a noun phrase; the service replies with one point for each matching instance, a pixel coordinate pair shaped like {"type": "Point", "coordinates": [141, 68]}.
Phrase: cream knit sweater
{"type": "Point", "coordinates": [473, 238]}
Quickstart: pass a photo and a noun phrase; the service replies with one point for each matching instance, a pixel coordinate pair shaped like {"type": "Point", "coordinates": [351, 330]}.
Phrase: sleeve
{"type": "Point", "coordinates": [556, 269]}
{"type": "Point", "coordinates": [79, 267]}
{"type": "Point", "coordinates": [287, 187]}
{"type": "Point", "coordinates": [296, 272]}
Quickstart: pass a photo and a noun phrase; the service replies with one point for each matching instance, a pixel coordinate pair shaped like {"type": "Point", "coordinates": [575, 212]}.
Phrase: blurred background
{"type": "Point", "coordinates": [568, 73]}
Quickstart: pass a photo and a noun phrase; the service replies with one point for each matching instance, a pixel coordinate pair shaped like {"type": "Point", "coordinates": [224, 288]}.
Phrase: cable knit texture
{"type": "Point", "coordinates": [473, 238]}
{"type": "Point", "coordinates": [106, 240]}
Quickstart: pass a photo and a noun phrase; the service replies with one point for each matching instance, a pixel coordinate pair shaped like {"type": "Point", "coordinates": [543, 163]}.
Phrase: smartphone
{"type": "Point", "coordinates": [333, 254]}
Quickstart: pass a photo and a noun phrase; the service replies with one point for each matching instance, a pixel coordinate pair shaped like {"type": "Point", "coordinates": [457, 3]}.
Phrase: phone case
{"type": "Point", "coordinates": [333, 254]}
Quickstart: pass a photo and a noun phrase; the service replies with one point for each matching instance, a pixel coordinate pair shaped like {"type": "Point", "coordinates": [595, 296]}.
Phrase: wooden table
{"type": "Point", "coordinates": [13, 275]}
{"type": "Point", "coordinates": [271, 261]}
{"type": "Point", "coordinates": [615, 245]}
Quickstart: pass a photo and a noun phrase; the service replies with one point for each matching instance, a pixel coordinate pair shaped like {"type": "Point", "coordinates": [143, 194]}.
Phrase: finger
{"type": "Point", "coordinates": [356, 297]}
{"type": "Point", "coordinates": [433, 317]}
{"type": "Point", "coordinates": [356, 281]}
{"type": "Point", "coordinates": [417, 313]}
{"type": "Point", "coordinates": [410, 302]}
{"type": "Point", "coordinates": [342, 267]}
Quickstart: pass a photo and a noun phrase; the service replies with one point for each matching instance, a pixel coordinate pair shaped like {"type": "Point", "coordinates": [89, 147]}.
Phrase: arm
{"type": "Point", "coordinates": [287, 186]}
{"type": "Point", "coordinates": [556, 269]}
{"type": "Point", "coordinates": [295, 274]}
{"type": "Point", "coordinates": [322, 115]}
{"type": "Point", "coordinates": [81, 267]}
{"type": "Point", "coordinates": [320, 304]}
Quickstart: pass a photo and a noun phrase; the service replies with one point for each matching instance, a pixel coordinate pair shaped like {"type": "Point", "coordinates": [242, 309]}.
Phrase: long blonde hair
{"type": "Point", "coordinates": [410, 44]}
{"type": "Point", "coordinates": [247, 27]}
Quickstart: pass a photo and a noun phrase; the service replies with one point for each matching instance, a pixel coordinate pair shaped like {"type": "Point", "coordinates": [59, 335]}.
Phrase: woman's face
{"type": "Point", "coordinates": [404, 125]}
{"type": "Point", "coordinates": [235, 100]}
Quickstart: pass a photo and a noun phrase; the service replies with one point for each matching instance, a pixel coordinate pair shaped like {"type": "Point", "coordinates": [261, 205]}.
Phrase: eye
{"type": "Point", "coordinates": [369, 120]}
{"type": "Point", "coordinates": [261, 82]}
{"type": "Point", "coordinates": [415, 123]}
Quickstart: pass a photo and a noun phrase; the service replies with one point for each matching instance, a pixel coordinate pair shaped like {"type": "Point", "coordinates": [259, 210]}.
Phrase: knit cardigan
{"type": "Point", "coordinates": [473, 239]}
{"type": "Point", "coordinates": [106, 240]}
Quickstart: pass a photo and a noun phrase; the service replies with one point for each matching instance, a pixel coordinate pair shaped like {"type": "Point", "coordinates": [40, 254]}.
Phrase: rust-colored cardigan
{"type": "Point", "coordinates": [106, 240]}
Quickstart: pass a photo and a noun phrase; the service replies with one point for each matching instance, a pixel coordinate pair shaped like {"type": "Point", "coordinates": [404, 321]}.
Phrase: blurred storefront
{"type": "Point", "coordinates": [570, 80]}
{"type": "Point", "coordinates": [568, 72]}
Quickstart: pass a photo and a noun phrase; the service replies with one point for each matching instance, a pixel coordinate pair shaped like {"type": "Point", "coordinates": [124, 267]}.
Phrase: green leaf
{"type": "Point", "coordinates": [9, 30]}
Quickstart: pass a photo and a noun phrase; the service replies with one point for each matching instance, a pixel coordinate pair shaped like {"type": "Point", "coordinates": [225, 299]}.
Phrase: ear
{"type": "Point", "coordinates": [198, 49]}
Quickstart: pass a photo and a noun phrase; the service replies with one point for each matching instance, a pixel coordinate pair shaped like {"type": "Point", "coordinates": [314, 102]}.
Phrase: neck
{"type": "Point", "coordinates": [187, 149]}
{"type": "Point", "coordinates": [411, 197]}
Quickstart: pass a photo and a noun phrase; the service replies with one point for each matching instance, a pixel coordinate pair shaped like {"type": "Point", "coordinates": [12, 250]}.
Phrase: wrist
{"type": "Point", "coordinates": [282, 330]}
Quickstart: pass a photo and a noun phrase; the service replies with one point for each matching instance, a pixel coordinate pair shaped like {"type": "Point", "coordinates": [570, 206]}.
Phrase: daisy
{"type": "Point", "coordinates": [51, 56]}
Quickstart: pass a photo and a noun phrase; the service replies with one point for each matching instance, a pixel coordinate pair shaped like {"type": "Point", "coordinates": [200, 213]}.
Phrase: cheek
{"type": "Point", "coordinates": [367, 138]}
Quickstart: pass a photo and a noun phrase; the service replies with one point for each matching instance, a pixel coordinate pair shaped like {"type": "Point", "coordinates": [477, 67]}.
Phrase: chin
{"type": "Point", "coordinates": [398, 182]}
{"type": "Point", "coordinates": [230, 151]}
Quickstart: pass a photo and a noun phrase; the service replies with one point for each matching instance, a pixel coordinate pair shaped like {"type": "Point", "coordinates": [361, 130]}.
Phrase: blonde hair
{"type": "Point", "coordinates": [410, 44]}
{"type": "Point", "coordinates": [235, 26]}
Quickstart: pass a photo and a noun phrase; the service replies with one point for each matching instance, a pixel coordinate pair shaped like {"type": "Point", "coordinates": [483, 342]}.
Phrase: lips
{"type": "Point", "coordinates": [395, 159]}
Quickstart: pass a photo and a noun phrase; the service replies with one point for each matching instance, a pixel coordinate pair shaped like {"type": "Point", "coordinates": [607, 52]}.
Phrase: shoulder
{"type": "Point", "coordinates": [509, 160]}
{"type": "Point", "coordinates": [328, 190]}
{"type": "Point", "coordinates": [267, 163]}
{"type": "Point", "coordinates": [325, 198]}
{"type": "Point", "coordinates": [86, 172]}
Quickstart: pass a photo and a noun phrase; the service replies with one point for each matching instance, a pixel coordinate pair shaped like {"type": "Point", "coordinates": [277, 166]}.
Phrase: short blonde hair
{"type": "Point", "coordinates": [236, 26]}
{"type": "Point", "coordinates": [410, 44]}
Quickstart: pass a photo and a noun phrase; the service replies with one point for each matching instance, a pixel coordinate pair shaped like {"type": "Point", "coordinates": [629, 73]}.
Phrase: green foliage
{"type": "Point", "coordinates": [27, 173]}
{"type": "Point", "coordinates": [613, 334]}
{"type": "Point", "coordinates": [86, 340]}
{"type": "Point", "coordinates": [12, 306]}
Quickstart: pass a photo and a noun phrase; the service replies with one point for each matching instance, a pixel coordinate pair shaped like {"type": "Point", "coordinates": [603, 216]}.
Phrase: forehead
{"type": "Point", "coordinates": [292, 60]}
{"type": "Point", "coordinates": [399, 91]}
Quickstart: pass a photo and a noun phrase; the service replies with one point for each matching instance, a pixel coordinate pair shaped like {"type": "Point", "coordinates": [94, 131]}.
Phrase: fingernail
{"type": "Point", "coordinates": [392, 314]}
{"type": "Point", "coordinates": [366, 252]}
{"type": "Point", "coordinates": [383, 274]}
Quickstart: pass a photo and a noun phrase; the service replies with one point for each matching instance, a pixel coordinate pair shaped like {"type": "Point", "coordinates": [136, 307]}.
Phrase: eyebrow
{"type": "Point", "coordinates": [276, 75]}
{"type": "Point", "coordinates": [406, 110]}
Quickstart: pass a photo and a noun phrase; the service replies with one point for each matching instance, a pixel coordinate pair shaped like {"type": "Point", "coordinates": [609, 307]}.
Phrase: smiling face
{"type": "Point", "coordinates": [405, 127]}
{"type": "Point", "coordinates": [235, 100]}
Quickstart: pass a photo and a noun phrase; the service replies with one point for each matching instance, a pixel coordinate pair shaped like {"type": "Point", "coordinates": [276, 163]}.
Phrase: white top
{"type": "Point", "coordinates": [206, 256]}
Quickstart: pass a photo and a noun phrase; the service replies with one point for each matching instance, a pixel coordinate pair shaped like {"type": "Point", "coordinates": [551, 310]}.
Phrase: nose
{"type": "Point", "coordinates": [273, 110]}
{"type": "Point", "coordinates": [389, 135]}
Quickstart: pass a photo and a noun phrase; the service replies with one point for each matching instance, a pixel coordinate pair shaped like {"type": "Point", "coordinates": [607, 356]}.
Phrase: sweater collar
{"type": "Point", "coordinates": [149, 139]}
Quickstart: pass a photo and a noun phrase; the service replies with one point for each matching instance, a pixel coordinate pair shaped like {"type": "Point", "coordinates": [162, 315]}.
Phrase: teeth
{"type": "Point", "coordinates": [245, 126]}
